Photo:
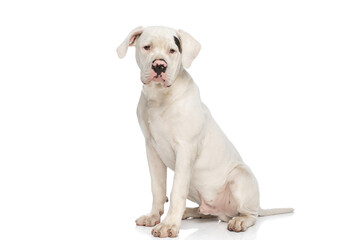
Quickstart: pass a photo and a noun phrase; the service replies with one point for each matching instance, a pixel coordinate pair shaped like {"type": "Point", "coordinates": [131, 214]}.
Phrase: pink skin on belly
{"type": "Point", "coordinates": [223, 204]}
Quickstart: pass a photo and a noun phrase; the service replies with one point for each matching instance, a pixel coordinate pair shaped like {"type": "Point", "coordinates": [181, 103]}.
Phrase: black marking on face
{"type": "Point", "coordinates": [177, 42]}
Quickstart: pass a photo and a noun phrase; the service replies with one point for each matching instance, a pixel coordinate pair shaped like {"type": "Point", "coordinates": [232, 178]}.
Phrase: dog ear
{"type": "Point", "coordinates": [190, 48]}
{"type": "Point", "coordinates": [129, 41]}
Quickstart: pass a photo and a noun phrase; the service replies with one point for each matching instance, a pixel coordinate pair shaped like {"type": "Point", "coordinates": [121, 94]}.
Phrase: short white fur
{"type": "Point", "coordinates": [181, 134]}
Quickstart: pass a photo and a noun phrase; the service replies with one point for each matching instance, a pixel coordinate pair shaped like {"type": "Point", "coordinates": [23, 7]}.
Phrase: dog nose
{"type": "Point", "coordinates": [159, 66]}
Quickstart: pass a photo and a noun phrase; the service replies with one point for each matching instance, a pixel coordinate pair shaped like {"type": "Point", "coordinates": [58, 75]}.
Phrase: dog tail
{"type": "Point", "coordinates": [274, 211]}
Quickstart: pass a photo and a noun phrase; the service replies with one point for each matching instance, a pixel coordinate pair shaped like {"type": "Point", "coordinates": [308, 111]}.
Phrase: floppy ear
{"type": "Point", "coordinates": [129, 41]}
{"type": "Point", "coordinates": [190, 48]}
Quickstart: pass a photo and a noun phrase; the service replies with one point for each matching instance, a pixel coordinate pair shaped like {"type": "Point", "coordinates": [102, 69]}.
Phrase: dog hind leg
{"type": "Point", "coordinates": [245, 193]}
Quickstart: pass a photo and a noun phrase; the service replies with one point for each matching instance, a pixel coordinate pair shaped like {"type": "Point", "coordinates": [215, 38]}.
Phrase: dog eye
{"type": "Point", "coordinates": [172, 51]}
{"type": "Point", "coordinates": [147, 47]}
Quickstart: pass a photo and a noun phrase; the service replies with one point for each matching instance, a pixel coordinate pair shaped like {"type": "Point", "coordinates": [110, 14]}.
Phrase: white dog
{"type": "Point", "coordinates": [181, 134]}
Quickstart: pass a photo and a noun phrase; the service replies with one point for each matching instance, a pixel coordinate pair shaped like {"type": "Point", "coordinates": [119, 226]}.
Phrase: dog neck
{"type": "Point", "coordinates": [157, 95]}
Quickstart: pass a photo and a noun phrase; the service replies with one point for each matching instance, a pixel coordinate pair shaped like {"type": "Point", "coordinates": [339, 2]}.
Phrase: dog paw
{"type": "Point", "coordinates": [148, 220]}
{"type": "Point", "coordinates": [165, 230]}
{"type": "Point", "coordinates": [241, 223]}
{"type": "Point", "coordinates": [237, 225]}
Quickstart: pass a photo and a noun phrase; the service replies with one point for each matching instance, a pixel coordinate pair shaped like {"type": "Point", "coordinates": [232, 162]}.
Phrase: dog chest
{"type": "Point", "coordinates": [159, 127]}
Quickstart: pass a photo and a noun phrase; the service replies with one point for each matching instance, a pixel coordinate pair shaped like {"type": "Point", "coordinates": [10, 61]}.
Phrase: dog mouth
{"type": "Point", "coordinates": [159, 78]}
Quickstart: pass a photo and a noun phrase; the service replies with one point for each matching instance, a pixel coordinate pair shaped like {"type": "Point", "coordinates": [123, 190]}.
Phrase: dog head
{"type": "Point", "coordinates": [161, 52]}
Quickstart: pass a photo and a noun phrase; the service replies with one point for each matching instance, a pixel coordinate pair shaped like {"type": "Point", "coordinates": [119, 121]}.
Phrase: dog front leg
{"type": "Point", "coordinates": [171, 224]}
{"type": "Point", "coordinates": [158, 187]}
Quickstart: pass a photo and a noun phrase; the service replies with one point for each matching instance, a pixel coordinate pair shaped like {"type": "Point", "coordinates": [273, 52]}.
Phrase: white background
{"type": "Point", "coordinates": [281, 78]}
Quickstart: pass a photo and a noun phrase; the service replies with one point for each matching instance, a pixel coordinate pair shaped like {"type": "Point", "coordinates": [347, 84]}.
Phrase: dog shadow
{"type": "Point", "coordinates": [207, 229]}
{"type": "Point", "coordinates": [214, 229]}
